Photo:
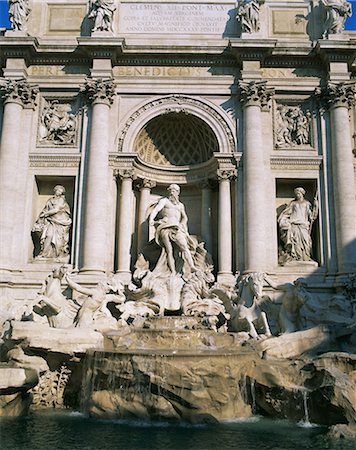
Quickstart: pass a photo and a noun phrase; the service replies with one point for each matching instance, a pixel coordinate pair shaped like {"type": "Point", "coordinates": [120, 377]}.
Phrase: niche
{"type": "Point", "coordinates": [292, 236]}
{"type": "Point", "coordinates": [43, 192]}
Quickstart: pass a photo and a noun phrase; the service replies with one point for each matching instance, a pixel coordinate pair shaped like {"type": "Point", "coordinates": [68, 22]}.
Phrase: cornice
{"type": "Point", "coordinates": [296, 162]}
{"type": "Point", "coordinates": [63, 160]}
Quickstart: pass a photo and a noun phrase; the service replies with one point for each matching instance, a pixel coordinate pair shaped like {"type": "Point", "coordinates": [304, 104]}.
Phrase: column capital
{"type": "Point", "coordinates": [126, 174]}
{"type": "Point", "coordinates": [226, 174]}
{"type": "Point", "coordinates": [145, 183]}
{"type": "Point", "coordinates": [99, 91]}
{"type": "Point", "coordinates": [337, 94]}
{"type": "Point", "coordinates": [255, 93]}
{"type": "Point", "coordinates": [19, 91]}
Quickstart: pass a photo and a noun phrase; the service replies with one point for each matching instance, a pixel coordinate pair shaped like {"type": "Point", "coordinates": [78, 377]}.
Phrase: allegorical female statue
{"type": "Point", "coordinates": [18, 13]}
{"type": "Point", "coordinates": [337, 11]}
{"type": "Point", "coordinates": [102, 12]}
{"type": "Point", "coordinates": [53, 224]}
{"type": "Point", "coordinates": [295, 224]}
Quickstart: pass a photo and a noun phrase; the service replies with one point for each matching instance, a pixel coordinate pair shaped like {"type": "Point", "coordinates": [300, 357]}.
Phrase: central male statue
{"type": "Point", "coordinates": [172, 230]}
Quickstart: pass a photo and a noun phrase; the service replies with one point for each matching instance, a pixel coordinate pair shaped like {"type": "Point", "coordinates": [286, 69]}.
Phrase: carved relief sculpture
{"type": "Point", "coordinates": [53, 225]}
{"type": "Point", "coordinates": [248, 14]}
{"type": "Point", "coordinates": [18, 14]}
{"type": "Point", "coordinates": [337, 12]}
{"type": "Point", "coordinates": [295, 225]}
{"type": "Point", "coordinates": [102, 11]}
{"type": "Point", "coordinates": [292, 126]}
{"type": "Point", "coordinates": [58, 125]}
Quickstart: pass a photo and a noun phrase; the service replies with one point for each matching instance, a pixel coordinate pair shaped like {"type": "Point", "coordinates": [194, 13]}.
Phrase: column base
{"type": "Point", "coordinates": [123, 276]}
{"type": "Point", "coordinates": [226, 278]}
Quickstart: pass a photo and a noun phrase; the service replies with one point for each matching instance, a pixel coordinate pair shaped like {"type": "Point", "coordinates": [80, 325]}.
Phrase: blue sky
{"type": "Point", "coordinates": [4, 21]}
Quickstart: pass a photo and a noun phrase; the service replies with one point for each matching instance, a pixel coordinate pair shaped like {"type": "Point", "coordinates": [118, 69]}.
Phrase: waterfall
{"type": "Point", "coordinates": [253, 394]}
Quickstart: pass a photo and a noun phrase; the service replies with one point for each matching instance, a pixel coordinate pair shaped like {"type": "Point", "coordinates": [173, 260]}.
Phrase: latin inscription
{"type": "Point", "coordinates": [187, 18]}
{"type": "Point", "coordinates": [150, 71]}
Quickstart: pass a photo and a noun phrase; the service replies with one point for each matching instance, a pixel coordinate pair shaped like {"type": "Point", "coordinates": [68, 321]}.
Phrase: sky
{"type": "Point", "coordinates": [4, 20]}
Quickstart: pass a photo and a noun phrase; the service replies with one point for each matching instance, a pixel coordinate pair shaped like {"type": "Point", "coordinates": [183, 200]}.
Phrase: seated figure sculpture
{"type": "Point", "coordinates": [172, 233]}
{"type": "Point", "coordinates": [295, 224]}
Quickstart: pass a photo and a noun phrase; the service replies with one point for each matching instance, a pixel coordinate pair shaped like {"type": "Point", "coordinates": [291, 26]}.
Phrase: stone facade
{"type": "Point", "coordinates": [163, 92]}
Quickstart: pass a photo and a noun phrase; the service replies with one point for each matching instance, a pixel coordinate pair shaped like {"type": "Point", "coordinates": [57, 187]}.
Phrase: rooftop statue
{"type": "Point", "coordinates": [248, 14]}
{"type": "Point", "coordinates": [337, 12]}
{"type": "Point", "coordinates": [102, 11]}
{"type": "Point", "coordinates": [295, 225]}
{"type": "Point", "coordinates": [18, 14]}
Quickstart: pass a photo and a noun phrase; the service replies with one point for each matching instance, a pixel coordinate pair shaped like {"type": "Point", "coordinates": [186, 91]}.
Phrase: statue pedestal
{"type": "Point", "coordinates": [99, 34]}
{"type": "Point", "coordinates": [16, 33]}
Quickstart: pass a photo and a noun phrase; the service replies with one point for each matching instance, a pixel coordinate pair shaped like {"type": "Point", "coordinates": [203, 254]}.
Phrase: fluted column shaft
{"type": "Point", "coordinates": [95, 244]}
{"type": "Point", "coordinates": [253, 96]}
{"type": "Point", "coordinates": [17, 94]}
{"type": "Point", "coordinates": [145, 187]}
{"type": "Point", "coordinates": [124, 239]}
{"type": "Point", "coordinates": [340, 98]}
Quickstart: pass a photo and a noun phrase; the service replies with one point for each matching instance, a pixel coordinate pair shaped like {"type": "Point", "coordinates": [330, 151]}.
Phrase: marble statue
{"type": "Point", "coordinates": [244, 304]}
{"type": "Point", "coordinates": [294, 298]}
{"type": "Point", "coordinates": [93, 312]}
{"type": "Point", "coordinates": [172, 233]}
{"type": "Point", "coordinates": [295, 225]}
{"type": "Point", "coordinates": [102, 12]}
{"type": "Point", "coordinates": [337, 12]}
{"type": "Point", "coordinates": [53, 225]}
{"type": "Point", "coordinates": [292, 126]}
{"type": "Point", "coordinates": [51, 302]}
{"type": "Point", "coordinates": [58, 124]}
{"type": "Point", "coordinates": [248, 14]}
{"type": "Point", "coordinates": [18, 14]}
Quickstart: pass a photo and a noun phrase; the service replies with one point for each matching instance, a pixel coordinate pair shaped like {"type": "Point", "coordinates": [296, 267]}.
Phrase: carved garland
{"type": "Point", "coordinates": [179, 100]}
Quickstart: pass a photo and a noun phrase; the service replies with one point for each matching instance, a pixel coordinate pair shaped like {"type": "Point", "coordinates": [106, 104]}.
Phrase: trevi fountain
{"type": "Point", "coordinates": [178, 224]}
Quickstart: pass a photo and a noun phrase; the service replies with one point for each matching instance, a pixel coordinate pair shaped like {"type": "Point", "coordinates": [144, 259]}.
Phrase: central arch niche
{"type": "Point", "coordinates": [176, 139]}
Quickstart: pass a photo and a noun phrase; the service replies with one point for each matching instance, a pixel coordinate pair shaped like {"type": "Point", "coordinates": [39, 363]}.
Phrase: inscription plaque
{"type": "Point", "coordinates": [173, 18]}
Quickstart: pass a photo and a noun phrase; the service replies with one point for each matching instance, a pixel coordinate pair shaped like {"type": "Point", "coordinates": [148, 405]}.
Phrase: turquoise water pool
{"type": "Point", "coordinates": [70, 430]}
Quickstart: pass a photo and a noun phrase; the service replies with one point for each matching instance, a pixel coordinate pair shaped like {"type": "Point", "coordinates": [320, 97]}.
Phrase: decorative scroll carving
{"type": "Point", "coordinates": [53, 226]}
{"type": "Point", "coordinates": [337, 12]}
{"type": "Point", "coordinates": [19, 91]}
{"type": "Point", "coordinates": [226, 174]}
{"type": "Point", "coordinates": [19, 11]}
{"type": "Point", "coordinates": [179, 100]}
{"type": "Point", "coordinates": [145, 183]}
{"type": "Point", "coordinates": [255, 93]}
{"type": "Point", "coordinates": [248, 14]}
{"type": "Point", "coordinates": [99, 91]}
{"type": "Point", "coordinates": [102, 11]}
{"type": "Point", "coordinates": [58, 124]}
{"type": "Point", "coordinates": [341, 94]}
{"type": "Point", "coordinates": [292, 126]}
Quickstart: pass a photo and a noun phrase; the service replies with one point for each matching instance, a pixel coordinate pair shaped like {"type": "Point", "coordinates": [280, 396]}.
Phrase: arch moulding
{"type": "Point", "coordinates": [206, 111]}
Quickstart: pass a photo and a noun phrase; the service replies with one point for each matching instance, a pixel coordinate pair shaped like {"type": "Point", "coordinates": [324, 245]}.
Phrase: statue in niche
{"type": "Point", "coordinates": [248, 14]}
{"type": "Point", "coordinates": [295, 225]}
{"type": "Point", "coordinates": [58, 124]}
{"type": "Point", "coordinates": [18, 14]}
{"type": "Point", "coordinates": [172, 233]}
{"type": "Point", "coordinates": [102, 11]}
{"type": "Point", "coordinates": [53, 225]}
{"type": "Point", "coordinates": [292, 126]}
{"type": "Point", "coordinates": [51, 302]}
{"type": "Point", "coordinates": [337, 12]}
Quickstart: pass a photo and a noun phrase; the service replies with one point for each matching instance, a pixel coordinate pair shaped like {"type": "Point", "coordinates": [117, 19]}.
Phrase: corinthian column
{"type": "Point", "coordinates": [17, 94]}
{"type": "Point", "coordinates": [254, 96]}
{"type": "Point", "coordinates": [145, 187]}
{"type": "Point", "coordinates": [339, 98]}
{"type": "Point", "coordinates": [224, 223]}
{"type": "Point", "coordinates": [96, 212]}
